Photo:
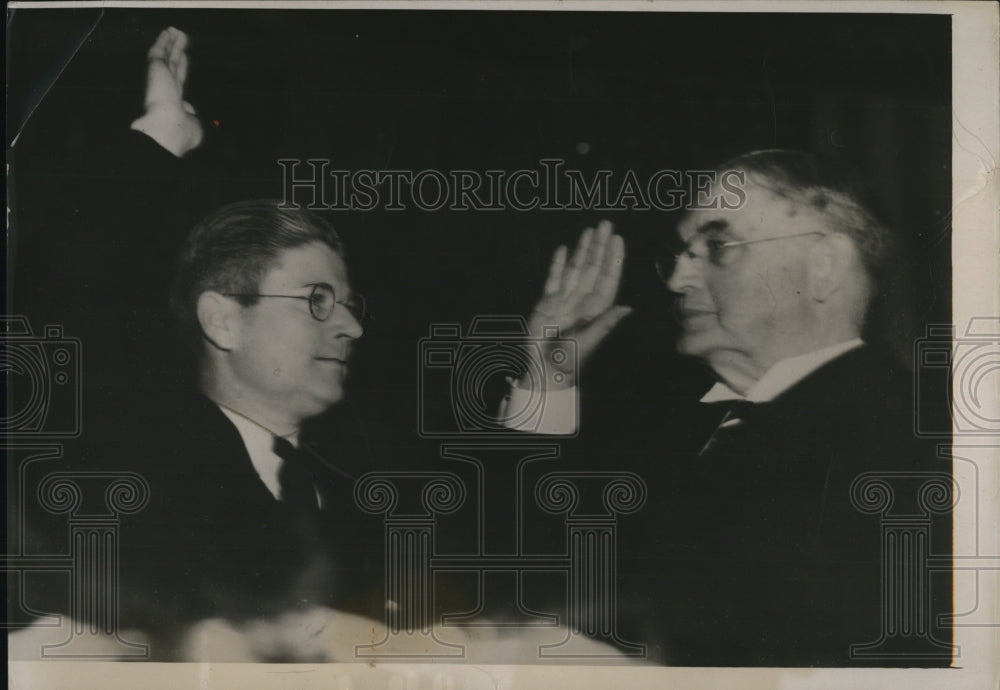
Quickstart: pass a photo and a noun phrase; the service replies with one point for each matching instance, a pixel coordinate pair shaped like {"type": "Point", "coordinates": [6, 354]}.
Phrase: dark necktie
{"type": "Point", "coordinates": [298, 490]}
{"type": "Point", "coordinates": [732, 429]}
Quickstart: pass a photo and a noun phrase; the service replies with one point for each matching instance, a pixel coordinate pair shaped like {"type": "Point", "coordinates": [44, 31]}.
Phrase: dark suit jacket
{"type": "Point", "coordinates": [214, 542]}
{"type": "Point", "coordinates": [756, 554]}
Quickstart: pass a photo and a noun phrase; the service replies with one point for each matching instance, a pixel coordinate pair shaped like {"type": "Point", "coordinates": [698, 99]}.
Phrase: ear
{"type": "Point", "coordinates": [831, 262]}
{"type": "Point", "coordinates": [217, 315]}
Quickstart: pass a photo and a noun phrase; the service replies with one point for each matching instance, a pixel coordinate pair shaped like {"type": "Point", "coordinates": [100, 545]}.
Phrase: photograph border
{"type": "Point", "coordinates": [975, 247]}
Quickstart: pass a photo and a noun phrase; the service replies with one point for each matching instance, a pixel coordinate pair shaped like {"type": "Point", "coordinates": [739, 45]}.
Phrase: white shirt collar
{"type": "Point", "coordinates": [259, 442]}
{"type": "Point", "coordinates": [782, 376]}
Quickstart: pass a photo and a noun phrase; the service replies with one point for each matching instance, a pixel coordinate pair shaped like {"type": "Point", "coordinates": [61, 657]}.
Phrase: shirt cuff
{"type": "Point", "coordinates": [552, 412]}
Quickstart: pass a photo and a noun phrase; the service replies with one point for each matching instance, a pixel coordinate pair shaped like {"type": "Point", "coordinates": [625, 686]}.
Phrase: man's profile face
{"type": "Point", "coordinates": [752, 302]}
{"type": "Point", "coordinates": [284, 357]}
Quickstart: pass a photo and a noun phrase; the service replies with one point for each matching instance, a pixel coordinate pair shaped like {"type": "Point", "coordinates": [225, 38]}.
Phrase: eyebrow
{"type": "Point", "coordinates": [349, 295]}
{"type": "Point", "coordinates": [712, 226]}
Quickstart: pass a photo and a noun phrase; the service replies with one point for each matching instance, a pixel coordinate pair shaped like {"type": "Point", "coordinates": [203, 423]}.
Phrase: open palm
{"type": "Point", "coordinates": [578, 300]}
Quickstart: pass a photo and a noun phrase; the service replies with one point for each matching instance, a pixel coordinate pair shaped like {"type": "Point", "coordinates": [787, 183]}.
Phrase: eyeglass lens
{"type": "Point", "coordinates": [323, 300]}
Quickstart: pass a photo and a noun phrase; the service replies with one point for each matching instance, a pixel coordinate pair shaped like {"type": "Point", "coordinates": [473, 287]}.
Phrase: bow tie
{"type": "Point", "coordinates": [740, 411]}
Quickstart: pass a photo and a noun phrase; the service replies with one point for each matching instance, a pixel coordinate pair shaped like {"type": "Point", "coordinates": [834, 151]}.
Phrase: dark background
{"type": "Point", "coordinates": [449, 90]}
{"type": "Point", "coordinates": [483, 90]}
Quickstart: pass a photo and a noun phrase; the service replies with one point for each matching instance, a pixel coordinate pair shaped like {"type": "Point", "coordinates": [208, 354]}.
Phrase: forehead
{"type": "Point", "coordinates": [764, 212]}
{"type": "Point", "coordinates": [304, 265]}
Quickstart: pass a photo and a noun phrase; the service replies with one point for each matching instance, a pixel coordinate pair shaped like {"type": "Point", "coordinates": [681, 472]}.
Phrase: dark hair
{"type": "Point", "coordinates": [232, 249]}
{"type": "Point", "coordinates": [829, 186]}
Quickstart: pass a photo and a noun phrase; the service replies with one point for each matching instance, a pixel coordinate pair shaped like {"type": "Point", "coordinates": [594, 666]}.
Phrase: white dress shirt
{"type": "Point", "coordinates": [558, 413]}
{"type": "Point", "coordinates": [260, 443]}
{"type": "Point", "coordinates": [783, 375]}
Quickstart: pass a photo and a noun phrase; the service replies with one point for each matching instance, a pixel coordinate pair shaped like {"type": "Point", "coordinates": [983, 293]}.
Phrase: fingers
{"type": "Point", "coordinates": [170, 48]}
{"type": "Point", "coordinates": [609, 274]}
{"type": "Point", "coordinates": [161, 46]}
{"type": "Point", "coordinates": [581, 287]}
{"type": "Point", "coordinates": [594, 259]}
{"type": "Point", "coordinates": [168, 66]}
{"type": "Point", "coordinates": [572, 275]}
{"type": "Point", "coordinates": [169, 45]}
{"type": "Point", "coordinates": [555, 279]}
{"type": "Point", "coordinates": [600, 276]}
{"type": "Point", "coordinates": [178, 61]}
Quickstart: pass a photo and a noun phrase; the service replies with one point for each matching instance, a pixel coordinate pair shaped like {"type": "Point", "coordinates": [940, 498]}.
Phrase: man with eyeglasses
{"type": "Point", "coordinates": [251, 514]}
{"type": "Point", "coordinates": [251, 547]}
{"type": "Point", "coordinates": [755, 553]}
{"type": "Point", "coordinates": [262, 293]}
{"type": "Point", "coordinates": [790, 274]}
{"type": "Point", "coordinates": [256, 517]}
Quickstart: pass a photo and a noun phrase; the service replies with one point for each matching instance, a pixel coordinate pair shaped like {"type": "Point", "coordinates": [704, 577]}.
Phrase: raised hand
{"type": "Point", "coordinates": [169, 119]}
{"type": "Point", "coordinates": [578, 298]}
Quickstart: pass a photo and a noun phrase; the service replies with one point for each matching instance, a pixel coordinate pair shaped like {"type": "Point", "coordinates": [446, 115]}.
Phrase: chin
{"type": "Point", "coordinates": [697, 344]}
{"type": "Point", "coordinates": [323, 401]}
{"type": "Point", "coordinates": [688, 345]}
{"type": "Point", "coordinates": [332, 397]}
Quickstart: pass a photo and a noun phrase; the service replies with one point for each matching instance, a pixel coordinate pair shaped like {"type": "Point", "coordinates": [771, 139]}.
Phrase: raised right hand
{"type": "Point", "coordinates": [169, 119]}
{"type": "Point", "coordinates": [578, 298]}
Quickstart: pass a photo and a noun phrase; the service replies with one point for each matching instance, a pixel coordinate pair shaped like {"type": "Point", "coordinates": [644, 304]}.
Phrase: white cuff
{"type": "Point", "coordinates": [551, 412]}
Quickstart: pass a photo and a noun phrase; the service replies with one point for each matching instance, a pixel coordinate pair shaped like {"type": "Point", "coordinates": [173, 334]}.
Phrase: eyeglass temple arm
{"type": "Point", "coordinates": [740, 243]}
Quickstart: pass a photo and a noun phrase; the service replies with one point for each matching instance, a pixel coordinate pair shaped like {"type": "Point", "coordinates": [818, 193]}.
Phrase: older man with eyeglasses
{"type": "Point", "coordinates": [789, 275]}
{"type": "Point", "coordinates": [756, 554]}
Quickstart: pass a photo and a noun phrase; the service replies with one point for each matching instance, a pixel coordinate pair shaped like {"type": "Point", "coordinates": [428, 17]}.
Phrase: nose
{"type": "Point", "coordinates": [685, 275]}
{"type": "Point", "coordinates": [345, 323]}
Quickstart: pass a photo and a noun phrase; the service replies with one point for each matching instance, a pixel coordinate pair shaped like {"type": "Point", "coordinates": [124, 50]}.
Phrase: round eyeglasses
{"type": "Point", "coordinates": [708, 249]}
{"type": "Point", "coordinates": [322, 300]}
